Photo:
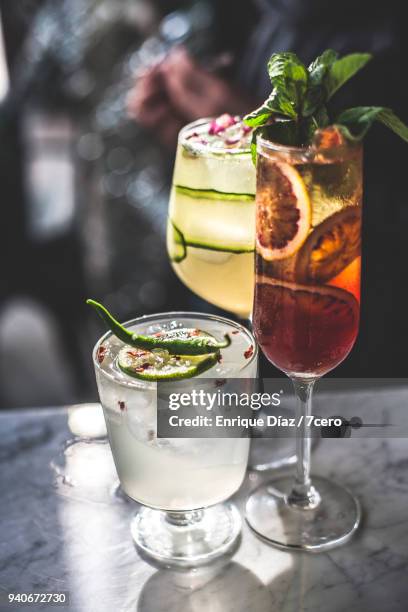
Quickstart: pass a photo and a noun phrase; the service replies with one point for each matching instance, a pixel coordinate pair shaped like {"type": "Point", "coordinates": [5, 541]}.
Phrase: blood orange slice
{"type": "Point", "coordinates": [283, 210]}
{"type": "Point", "coordinates": [331, 247]}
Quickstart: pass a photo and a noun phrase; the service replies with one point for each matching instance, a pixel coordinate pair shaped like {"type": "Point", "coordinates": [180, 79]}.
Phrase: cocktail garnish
{"type": "Point", "coordinates": [283, 211]}
{"type": "Point", "coordinates": [330, 248]}
{"type": "Point", "coordinates": [221, 123]}
{"type": "Point", "coordinates": [299, 102]}
{"type": "Point", "coordinates": [160, 364]}
{"type": "Point", "coordinates": [224, 132]}
{"type": "Point", "coordinates": [249, 352]}
{"type": "Point", "coordinates": [101, 352]}
{"type": "Point", "coordinates": [176, 342]}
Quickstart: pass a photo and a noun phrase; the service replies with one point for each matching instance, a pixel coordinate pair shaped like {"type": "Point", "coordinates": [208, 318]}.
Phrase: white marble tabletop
{"type": "Point", "coordinates": [73, 535]}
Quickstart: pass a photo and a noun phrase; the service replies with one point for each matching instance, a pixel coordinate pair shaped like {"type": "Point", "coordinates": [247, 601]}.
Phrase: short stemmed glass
{"type": "Point", "coordinates": [181, 483]}
{"type": "Point", "coordinates": [306, 316]}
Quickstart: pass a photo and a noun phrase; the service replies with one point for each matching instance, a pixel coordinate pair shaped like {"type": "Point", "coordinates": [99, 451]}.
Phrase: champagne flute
{"type": "Point", "coordinates": [306, 317]}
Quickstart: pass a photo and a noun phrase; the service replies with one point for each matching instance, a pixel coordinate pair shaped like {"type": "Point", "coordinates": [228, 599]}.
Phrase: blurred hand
{"type": "Point", "coordinates": [177, 91]}
{"type": "Point", "coordinates": [148, 103]}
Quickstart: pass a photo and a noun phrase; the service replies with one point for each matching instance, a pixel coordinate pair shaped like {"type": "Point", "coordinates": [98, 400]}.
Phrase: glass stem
{"type": "Point", "coordinates": [184, 519]}
{"type": "Point", "coordinates": [303, 494]}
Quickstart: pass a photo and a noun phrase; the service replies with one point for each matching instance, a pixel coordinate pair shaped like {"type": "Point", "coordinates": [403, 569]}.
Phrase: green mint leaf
{"type": "Point", "coordinates": [276, 105]}
{"type": "Point", "coordinates": [316, 93]}
{"type": "Point", "coordinates": [343, 69]}
{"type": "Point", "coordinates": [261, 115]}
{"type": "Point", "coordinates": [258, 117]}
{"type": "Point", "coordinates": [358, 121]}
{"type": "Point", "coordinates": [289, 78]}
{"type": "Point", "coordinates": [296, 107]}
{"type": "Point", "coordinates": [309, 125]}
{"type": "Point", "coordinates": [259, 131]}
{"type": "Point", "coordinates": [319, 66]}
{"type": "Point", "coordinates": [283, 131]}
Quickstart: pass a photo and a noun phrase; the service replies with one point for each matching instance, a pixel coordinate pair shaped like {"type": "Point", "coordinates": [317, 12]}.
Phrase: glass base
{"type": "Point", "coordinates": [331, 523]}
{"type": "Point", "coordinates": [186, 539]}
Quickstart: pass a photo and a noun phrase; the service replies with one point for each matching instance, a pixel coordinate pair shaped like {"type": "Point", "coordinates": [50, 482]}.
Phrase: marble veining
{"type": "Point", "coordinates": [72, 534]}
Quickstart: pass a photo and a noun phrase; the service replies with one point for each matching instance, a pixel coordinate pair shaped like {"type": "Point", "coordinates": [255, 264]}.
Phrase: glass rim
{"type": "Point", "coordinates": [276, 146]}
{"type": "Point", "coordinates": [203, 149]}
{"type": "Point", "coordinates": [306, 153]}
{"type": "Point", "coordinates": [139, 383]}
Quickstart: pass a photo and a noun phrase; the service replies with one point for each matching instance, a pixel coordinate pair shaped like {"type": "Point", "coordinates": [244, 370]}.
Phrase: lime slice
{"type": "Point", "coordinates": [219, 222]}
{"type": "Point", "coordinates": [176, 246]}
{"type": "Point", "coordinates": [159, 364]}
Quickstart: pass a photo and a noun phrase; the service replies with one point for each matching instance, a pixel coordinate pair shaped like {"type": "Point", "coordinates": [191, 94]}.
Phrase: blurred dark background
{"type": "Point", "coordinates": [92, 95]}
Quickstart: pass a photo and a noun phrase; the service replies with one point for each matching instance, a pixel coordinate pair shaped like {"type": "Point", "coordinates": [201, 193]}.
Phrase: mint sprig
{"type": "Point", "coordinates": [357, 121]}
{"type": "Point", "coordinates": [298, 103]}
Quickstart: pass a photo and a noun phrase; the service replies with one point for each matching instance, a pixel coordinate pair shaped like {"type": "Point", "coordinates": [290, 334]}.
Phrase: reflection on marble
{"type": "Point", "coordinates": [74, 535]}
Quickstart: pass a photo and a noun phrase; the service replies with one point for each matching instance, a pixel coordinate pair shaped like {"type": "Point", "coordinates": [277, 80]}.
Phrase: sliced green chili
{"type": "Point", "coordinates": [199, 345]}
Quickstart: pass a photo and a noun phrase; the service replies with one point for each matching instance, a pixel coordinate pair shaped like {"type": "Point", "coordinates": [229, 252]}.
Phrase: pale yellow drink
{"type": "Point", "coordinates": [211, 229]}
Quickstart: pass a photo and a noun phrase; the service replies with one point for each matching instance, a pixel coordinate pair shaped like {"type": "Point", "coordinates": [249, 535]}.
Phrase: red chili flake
{"type": "Point", "coordinates": [136, 353]}
{"type": "Point", "coordinates": [142, 367]}
{"type": "Point", "coordinates": [249, 352]}
{"type": "Point", "coordinates": [235, 332]}
{"type": "Point", "coordinates": [122, 405]}
{"type": "Point", "coordinates": [194, 332]}
{"type": "Point", "coordinates": [193, 135]}
{"type": "Point", "coordinates": [158, 334]}
{"type": "Point", "coordinates": [100, 353]}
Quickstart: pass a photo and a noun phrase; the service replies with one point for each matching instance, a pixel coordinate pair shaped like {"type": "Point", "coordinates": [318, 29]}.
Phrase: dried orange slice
{"type": "Point", "coordinates": [283, 210]}
{"type": "Point", "coordinates": [331, 247]}
{"type": "Point", "coordinates": [349, 278]}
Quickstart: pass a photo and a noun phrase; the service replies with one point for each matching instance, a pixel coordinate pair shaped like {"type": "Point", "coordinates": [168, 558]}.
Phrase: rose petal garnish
{"type": "Point", "coordinates": [221, 123]}
{"type": "Point", "coordinates": [232, 141]}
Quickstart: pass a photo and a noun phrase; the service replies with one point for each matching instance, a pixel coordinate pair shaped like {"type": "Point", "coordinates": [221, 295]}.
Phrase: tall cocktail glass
{"type": "Point", "coordinates": [306, 316]}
